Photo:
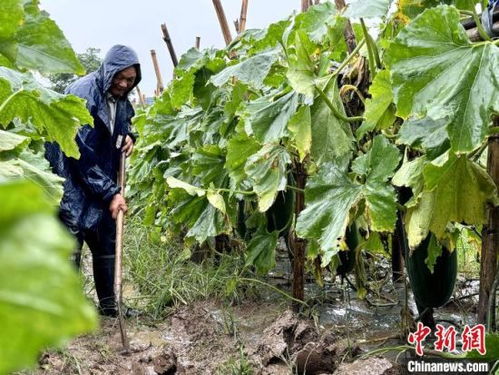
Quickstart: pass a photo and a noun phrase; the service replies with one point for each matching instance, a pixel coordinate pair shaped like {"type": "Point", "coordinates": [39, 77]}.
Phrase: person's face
{"type": "Point", "coordinates": [123, 81]}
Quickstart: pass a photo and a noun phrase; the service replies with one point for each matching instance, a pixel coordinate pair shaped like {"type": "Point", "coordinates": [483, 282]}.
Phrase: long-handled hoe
{"type": "Point", "coordinates": [118, 260]}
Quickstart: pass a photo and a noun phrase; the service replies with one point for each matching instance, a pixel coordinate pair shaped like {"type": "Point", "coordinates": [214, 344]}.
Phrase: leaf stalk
{"type": "Point", "coordinates": [335, 111]}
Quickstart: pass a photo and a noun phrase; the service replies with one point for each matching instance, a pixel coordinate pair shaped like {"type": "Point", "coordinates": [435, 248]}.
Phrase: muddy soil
{"type": "Point", "coordinates": [260, 337]}
{"type": "Point", "coordinates": [209, 338]}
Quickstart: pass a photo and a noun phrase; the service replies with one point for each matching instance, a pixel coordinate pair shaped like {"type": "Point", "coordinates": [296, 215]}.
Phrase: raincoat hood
{"type": "Point", "coordinates": [91, 181]}
{"type": "Point", "coordinates": [117, 59]}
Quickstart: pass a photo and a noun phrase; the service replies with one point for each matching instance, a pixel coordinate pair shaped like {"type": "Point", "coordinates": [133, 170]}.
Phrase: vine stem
{"type": "Point", "coordinates": [374, 60]}
{"type": "Point", "coordinates": [475, 155]}
{"type": "Point", "coordinates": [346, 88]}
{"type": "Point", "coordinates": [242, 192]}
{"type": "Point", "coordinates": [335, 110]}
{"type": "Point", "coordinates": [479, 26]}
{"type": "Point", "coordinates": [348, 59]}
{"type": "Point", "coordinates": [346, 62]}
{"type": "Point", "coordinates": [295, 188]}
{"type": "Point", "coordinates": [9, 99]}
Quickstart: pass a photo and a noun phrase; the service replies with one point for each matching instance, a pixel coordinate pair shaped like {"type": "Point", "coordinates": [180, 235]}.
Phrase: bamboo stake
{"type": "Point", "coordinates": [490, 242]}
{"type": "Point", "coordinates": [298, 245]}
{"type": "Point", "coordinates": [223, 21]}
{"type": "Point", "coordinates": [118, 257]}
{"type": "Point", "coordinates": [169, 44]}
{"type": "Point", "coordinates": [304, 5]}
{"type": "Point", "coordinates": [198, 42]}
{"type": "Point", "coordinates": [159, 79]}
{"type": "Point", "coordinates": [236, 25]}
{"type": "Point", "coordinates": [141, 98]}
{"type": "Point", "coordinates": [242, 18]}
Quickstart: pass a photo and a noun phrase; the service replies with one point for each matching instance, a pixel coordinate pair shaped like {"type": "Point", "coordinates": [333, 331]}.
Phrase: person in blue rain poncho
{"type": "Point", "coordinates": [92, 197]}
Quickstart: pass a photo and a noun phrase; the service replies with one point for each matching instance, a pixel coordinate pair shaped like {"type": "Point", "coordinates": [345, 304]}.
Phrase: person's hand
{"type": "Point", "coordinates": [118, 204]}
{"type": "Point", "coordinates": [128, 146]}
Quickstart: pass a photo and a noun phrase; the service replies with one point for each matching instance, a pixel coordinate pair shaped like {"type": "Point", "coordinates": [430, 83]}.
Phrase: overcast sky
{"type": "Point", "coordinates": [103, 23]}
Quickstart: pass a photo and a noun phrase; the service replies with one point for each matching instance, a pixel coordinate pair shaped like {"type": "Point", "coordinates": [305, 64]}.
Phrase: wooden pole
{"type": "Point", "coordinates": [490, 241]}
{"type": "Point", "coordinates": [118, 252]}
{"type": "Point", "coordinates": [348, 32]}
{"type": "Point", "coordinates": [298, 245]}
{"type": "Point", "coordinates": [169, 44]}
{"type": "Point", "coordinates": [490, 231]}
{"type": "Point", "coordinates": [198, 42]}
{"type": "Point", "coordinates": [141, 97]}
{"type": "Point", "coordinates": [223, 21]}
{"type": "Point", "coordinates": [304, 5]}
{"type": "Point", "coordinates": [242, 17]}
{"type": "Point", "coordinates": [159, 79]}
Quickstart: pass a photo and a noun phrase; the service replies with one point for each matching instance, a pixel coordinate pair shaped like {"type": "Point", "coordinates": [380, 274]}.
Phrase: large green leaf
{"type": "Point", "coordinates": [378, 165]}
{"type": "Point", "coordinates": [11, 141]}
{"type": "Point", "coordinates": [456, 190]}
{"type": "Point", "coordinates": [181, 88]}
{"type": "Point", "coordinates": [301, 71]}
{"type": "Point", "coordinates": [267, 171]}
{"type": "Point", "coordinates": [315, 21]}
{"type": "Point", "coordinates": [410, 175]}
{"type": "Point", "coordinates": [55, 116]}
{"type": "Point", "coordinates": [42, 45]}
{"type": "Point", "coordinates": [193, 58]}
{"type": "Point", "coordinates": [380, 110]}
{"type": "Point", "coordinates": [251, 71]}
{"type": "Point", "coordinates": [426, 133]}
{"type": "Point", "coordinates": [261, 251]}
{"type": "Point", "coordinates": [300, 127]}
{"type": "Point", "coordinates": [270, 36]}
{"type": "Point", "coordinates": [11, 17]}
{"type": "Point", "coordinates": [367, 8]}
{"type": "Point", "coordinates": [437, 71]}
{"type": "Point", "coordinates": [239, 149]}
{"type": "Point", "coordinates": [194, 210]}
{"type": "Point", "coordinates": [411, 8]}
{"type": "Point", "coordinates": [208, 164]}
{"type": "Point", "coordinates": [41, 299]}
{"type": "Point", "coordinates": [35, 168]}
{"type": "Point", "coordinates": [210, 223]}
{"type": "Point", "coordinates": [331, 194]}
{"type": "Point", "coordinates": [30, 39]}
{"type": "Point", "coordinates": [268, 119]}
{"type": "Point", "coordinates": [331, 137]}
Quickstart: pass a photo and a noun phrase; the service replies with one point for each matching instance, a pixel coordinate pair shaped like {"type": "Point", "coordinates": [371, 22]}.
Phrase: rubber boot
{"type": "Point", "coordinates": [103, 266]}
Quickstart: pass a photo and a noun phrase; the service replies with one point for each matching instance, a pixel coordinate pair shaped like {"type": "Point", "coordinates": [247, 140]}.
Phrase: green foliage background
{"type": "Point", "coordinates": [411, 107]}
{"type": "Point", "coordinates": [41, 299]}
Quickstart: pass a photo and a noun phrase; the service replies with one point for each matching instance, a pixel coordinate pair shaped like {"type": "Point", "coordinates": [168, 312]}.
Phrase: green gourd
{"type": "Point", "coordinates": [280, 214]}
{"type": "Point", "coordinates": [431, 290]}
{"type": "Point", "coordinates": [347, 258]}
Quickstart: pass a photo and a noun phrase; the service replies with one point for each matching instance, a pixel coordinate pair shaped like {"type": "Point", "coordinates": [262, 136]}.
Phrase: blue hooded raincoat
{"type": "Point", "coordinates": [91, 181]}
